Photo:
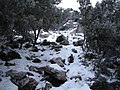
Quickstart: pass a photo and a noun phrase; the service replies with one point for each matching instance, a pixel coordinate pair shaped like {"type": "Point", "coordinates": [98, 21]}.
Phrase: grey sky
{"type": "Point", "coordinates": [73, 4]}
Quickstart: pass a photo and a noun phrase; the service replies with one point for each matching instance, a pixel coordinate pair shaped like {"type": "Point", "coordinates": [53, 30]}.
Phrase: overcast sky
{"type": "Point", "coordinates": [73, 4]}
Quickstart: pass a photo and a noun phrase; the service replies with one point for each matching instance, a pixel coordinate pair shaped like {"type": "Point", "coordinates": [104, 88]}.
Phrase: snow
{"type": "Point", "coordinates": [75, 68]}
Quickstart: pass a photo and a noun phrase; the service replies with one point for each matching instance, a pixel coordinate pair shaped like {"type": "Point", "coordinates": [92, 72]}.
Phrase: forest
{"type": "Point", "coordinates": [46, 47]}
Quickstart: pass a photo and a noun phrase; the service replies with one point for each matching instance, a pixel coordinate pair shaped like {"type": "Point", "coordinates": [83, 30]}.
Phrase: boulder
{"type": "Point", "coordinates": [16, 75]}
{"type": "Point", "coordinates": [45, 43]}
{"type": "Point", "coordinates": [73, 50]}
{"type": "Point", "coordinates": [60, 38]}
{"type": "Point", "coordinates": [22, 80]}
{"type": "Point", "coordinates": [71, 58]}
{"type": "Point", "coordinates": [39, 70]}
{"type": "Point", "coordinates": [8, 55]}
{"type": "Point", "coordinates": [3, 56]}
{"type": "Point", "coordinates": [27, 45]}
{"type": "Point", "coordinates": [13, 44]}
{"type": "Point", "coordinates": [48, 86]}
{"type": "Point", "coordinates": [65, 42]}
{"type": "Point", "coordinates": [34, 49]}
{"type": "Point", "coordinates": [78, 43]}
{"type": "Point", "coordinates": [58, 60]}
{"type": "Point", "coordinates": [13, 55]}
{"type": "Point", "coordinates": [56, 47]}
{"type": "Point", "coordinates": [36, 60]}
{"type": "Point", "coordinates": [55, 77]}
{"type": "Point", "coordinates": [31, 85]}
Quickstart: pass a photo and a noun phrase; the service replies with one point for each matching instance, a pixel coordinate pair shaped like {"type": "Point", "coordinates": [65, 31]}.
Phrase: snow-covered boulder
{"type": "Point", "coordinates": [62, 40]}
{"type": "Point", "coordinates": [54, 76]}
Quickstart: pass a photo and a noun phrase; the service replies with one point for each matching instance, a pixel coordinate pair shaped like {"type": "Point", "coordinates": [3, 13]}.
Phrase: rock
{"type": "Point", "coordinates": [36, 69]}
{"type": "Point", "coordinates": [13, 55]}
{"type": "Point", "coordinates": [9, 64]}
{"type": "Point", "coordinates": [73, 50]}
{"type": "Point", "coordinates": [36, 60]}
{"type": "Point", "coordinates": [45, 43]}
{"type": "Point", "coordinates": [22, 80]}
{"type": "Point", "coordinates": [58, 60]}
{"type": "Point", "coordinates": [71, 58]}
{"type": "Point", "coordinates": [48, 86]}
{"type": "Point", "coordinates": [56, 47]}
{"type": "Point", "coordinates": [28, 58]}
{"type": "Point", "coordinates": [9, 55]}
{"type": "Point", "coordinates": [16, 75]}
{"type": "Point", "coordinates": [52, 61]}
{"type": "Point", "coordinates": [27, 45]}
{"type": "Point", "coordinates": [65, 42]}
{"type": "Point", "coordinates": [31, 85]}
{"type": "Point", "coordinates": [100, 85]}
{"type": "Point", "coordinates": [78, 43]}
{"type": "Point", "coordinates": [55, 77]}
{"type": "Point", "coordinates": [20, 83]}
{"type": "Point", "coordinates": [3, 56]}
{"type": "Point", "coordinates": [34, 49]}
{"type": "Point", "coordinates": [42, 49]}
{"type": "Point", "coordinates": [60, 38]}
{"type": "Point", "coordinates": [13, 44]}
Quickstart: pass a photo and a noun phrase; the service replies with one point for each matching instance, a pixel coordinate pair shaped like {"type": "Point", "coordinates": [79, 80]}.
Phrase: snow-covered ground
{"type": "Point", "coordinates": [75, 68]}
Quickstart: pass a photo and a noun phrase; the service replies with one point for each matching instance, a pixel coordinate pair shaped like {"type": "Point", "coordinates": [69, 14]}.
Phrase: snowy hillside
{"type": "Point", "coordinates": [78, 75]}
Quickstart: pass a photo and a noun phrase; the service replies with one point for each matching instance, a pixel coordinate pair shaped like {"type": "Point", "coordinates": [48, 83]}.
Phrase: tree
{"type": "Point", "coordinates": [101, 26]}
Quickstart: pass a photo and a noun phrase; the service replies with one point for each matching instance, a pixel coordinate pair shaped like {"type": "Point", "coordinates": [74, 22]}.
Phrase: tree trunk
{"type": "Point", "coordinates": [36, 37]}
